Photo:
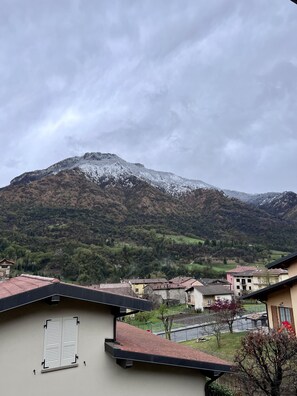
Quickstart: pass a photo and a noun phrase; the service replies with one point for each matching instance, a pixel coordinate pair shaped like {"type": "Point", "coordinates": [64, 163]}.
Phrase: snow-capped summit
{"type": "Point", "coordinates": [102, 167]}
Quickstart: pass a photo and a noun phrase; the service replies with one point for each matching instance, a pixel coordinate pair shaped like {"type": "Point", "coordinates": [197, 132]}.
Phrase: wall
{"type": "Point", "coordinates": [276, 299]}
{"type": "Point", "coordinates": [292, 270]}
{"type": "Point", "coordinates": [21, 351]}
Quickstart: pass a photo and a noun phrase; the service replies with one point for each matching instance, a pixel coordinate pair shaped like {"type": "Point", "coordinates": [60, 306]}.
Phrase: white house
{"type": "Point", "coordinates": [201, 297]}
{"type": "Point", "coordinates": [61, 339]}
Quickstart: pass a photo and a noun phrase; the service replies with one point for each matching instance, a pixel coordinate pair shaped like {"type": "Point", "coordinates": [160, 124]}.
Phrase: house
{"type": "Point", "coordinates": [185, 281]}
{"type": "Point", "coordinates": [139, 284]}
{"type": "Point", "coordinates": [167, 293]}
{"type": "Point", "coordinates": [123, 288]}
{"type": "Point", "coordinates": [281, 297]}
{"type": "Point", "coordinates": [235, 272]}
{"type": "Point", "coordinates": [251, 280]}
{"type": "Point", "coordinates": [201, 297]}
{"type": "Point", "coordinates": [5, 268]}
{"type": "Point", "coordinates": [216, 281]}
{"type": "Point", "coordinates": [62, 339]}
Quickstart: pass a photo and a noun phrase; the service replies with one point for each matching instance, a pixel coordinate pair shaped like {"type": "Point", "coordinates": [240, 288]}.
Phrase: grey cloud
{"type": "Point", "coordinates": [203, 89]}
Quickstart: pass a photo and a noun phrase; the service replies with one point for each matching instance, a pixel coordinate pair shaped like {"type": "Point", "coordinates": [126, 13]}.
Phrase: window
{"type": "Point", "coordinates": [249, 280]}
{"type": "Point", "coordinates": [281, 314]}
{"type": "Point", "coordinates": [237, 287]}
{"type": "Point", "coordinates": [285, 314]}
{"type": "Point", "coordinates": [136, 290]}
{"type": "Point", "coordinates": [237, 280]}
{"type": "Point", "coordinates": [60, 342]}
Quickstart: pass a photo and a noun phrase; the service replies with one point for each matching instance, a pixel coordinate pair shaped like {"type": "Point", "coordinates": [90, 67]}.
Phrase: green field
{"type": "Point", "coordinates": [217, 267]}
{"type": "Point", "coordinates": [230, 344]}
{"type": "Point", "coordinates": [181, 239]}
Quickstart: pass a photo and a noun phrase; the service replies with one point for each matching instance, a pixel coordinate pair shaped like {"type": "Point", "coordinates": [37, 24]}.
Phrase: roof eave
{"type": "Point", "coordinates": [283, 262]}
{"type": "Point", "coordinates": [211, 370]}
{"type": "Point", "coordinates": [74, 292]}
{"type": "Point", "coordinates": [263, 293]}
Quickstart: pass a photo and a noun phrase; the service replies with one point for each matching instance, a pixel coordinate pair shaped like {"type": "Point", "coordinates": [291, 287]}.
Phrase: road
{"type": "Point", "coordinates": [197, 331]}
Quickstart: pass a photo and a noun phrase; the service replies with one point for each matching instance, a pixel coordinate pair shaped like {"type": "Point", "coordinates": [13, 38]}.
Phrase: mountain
{"type": "Point", "coordinates": [105, 169]}
{"type": "Point", "coordinates": [98, 217]}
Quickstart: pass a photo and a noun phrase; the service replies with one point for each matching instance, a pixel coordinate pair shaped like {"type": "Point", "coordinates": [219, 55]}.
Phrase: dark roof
{"type": "Point", "coordinates": [216, 281]}
{"type": "Point", "coordinates": [146, 281]}
{"type": "Point", "coordinates": [212, 290]}
{"type": "Point", "coordinates": [165, 286]}
{"type": "Point", "coordinates": [283, 262]}
{"type": "Point", "coordinates": [7, 262]}
{"type": "Point", "coordinates": [26, 289]}
{"type": "Point", "coordinates": [138, 345]}
{"type": "Point", "coordinates": [262, 294]}
{"type": "Point", "coordinates": [244, 273]}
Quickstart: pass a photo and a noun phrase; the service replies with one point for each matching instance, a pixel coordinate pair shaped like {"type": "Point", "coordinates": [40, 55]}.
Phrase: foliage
{"type": "Point", "coordinates": [226, 311]}
{"type": "Point", "coordinates": [216, 389]}
{"type": "Point", "coordinates": [268, 362]}
{"type": "Point", "coordinates": [166, 319]}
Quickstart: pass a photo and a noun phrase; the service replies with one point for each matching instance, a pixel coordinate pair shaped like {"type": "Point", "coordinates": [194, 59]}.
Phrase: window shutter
{"type": "Point", "coordinates": [52, 343]}
{"type": "Point", "coordinates": [292, 318]}
{"type": "Point", "coordinates": [69, 341]}
{"type": "Point", "coordinates": [275, 322]}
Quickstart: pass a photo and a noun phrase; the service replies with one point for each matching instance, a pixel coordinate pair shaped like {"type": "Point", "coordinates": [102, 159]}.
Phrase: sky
{"type": "Point", "coordinates": [206, 89]}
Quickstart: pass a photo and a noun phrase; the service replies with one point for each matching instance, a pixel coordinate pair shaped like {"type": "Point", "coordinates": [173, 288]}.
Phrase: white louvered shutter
{"type": "Point", "coordinates": [69, 341]}
{"type": "Point", "coordinates": [52, 343]}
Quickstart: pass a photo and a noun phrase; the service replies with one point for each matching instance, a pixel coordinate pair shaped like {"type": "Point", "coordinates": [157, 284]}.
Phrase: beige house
{"type": "Point", "coordinates": [281, 297]}
{"type": "Point", "coordinates": [61, 339]}
{"type": "Point", "coordinates": [166, 293]}
{"type": "Point", "coordinates": [201, 297]}
{"type": "Point", "coordinates": [138, 285]}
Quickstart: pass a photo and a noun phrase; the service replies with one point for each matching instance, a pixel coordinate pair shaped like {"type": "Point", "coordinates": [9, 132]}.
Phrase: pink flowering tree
{"type": "Point", "coordinates": [226, 311]}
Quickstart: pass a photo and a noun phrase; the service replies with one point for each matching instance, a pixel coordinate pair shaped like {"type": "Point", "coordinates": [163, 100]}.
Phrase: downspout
{"type": "Point", "coordinates": [117, 315]}
{"type": "Point", "coordinates": [209, 382]}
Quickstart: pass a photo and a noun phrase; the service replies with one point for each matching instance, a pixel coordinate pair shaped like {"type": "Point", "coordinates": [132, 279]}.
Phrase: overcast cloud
{"type": "Point", "coordinates": [206, 89]}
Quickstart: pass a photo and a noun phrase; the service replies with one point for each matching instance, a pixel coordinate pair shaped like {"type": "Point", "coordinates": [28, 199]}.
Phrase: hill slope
{"type": "Point", "coordinates": [74, 214]}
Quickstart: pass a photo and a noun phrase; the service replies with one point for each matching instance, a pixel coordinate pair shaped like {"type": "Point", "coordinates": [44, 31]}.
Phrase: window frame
{"type": "Point", "coordinates": [60, 343]}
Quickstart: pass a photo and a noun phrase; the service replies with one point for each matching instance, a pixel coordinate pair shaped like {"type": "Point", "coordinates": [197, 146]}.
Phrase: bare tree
{"type": "Point", "coordinates": [167, 320]}
{"type": "Point", "coordinates": [268, 363]}
{"type": "Point", "coordinates": [216, 329]}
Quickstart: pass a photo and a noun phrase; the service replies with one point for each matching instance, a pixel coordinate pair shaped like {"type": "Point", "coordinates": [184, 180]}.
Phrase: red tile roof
{"type": "Point", "coordinates": [23, 283]}
{"type": "Point", "coordinates": [132, 339]}
{"type": "Point", "coordinates": [25, 289]}
{"type": "Point", "coordinates": [241, 269]}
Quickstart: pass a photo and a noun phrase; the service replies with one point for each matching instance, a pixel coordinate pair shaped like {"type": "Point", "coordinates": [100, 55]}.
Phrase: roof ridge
{"type": "Point", "coordinates": [42, 278]}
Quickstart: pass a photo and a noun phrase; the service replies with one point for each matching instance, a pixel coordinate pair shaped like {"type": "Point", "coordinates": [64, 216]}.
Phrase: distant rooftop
{"type": "Point", "coordinates": [26, 289]}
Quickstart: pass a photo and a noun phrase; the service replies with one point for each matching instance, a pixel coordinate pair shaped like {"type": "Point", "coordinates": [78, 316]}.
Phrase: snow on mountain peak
{"type": "Point", "coordinates": [104, 166]}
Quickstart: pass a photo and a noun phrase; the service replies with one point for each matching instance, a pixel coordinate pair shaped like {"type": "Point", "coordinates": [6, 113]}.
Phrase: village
{"type": "Point", "coordinates": [73, 317]}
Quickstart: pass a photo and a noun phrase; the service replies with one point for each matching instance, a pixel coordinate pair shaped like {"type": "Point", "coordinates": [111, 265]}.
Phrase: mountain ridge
{"type": "Point", "coordinates": [72, 220]}
{"type": "Point", "coordinates": [106, 168]}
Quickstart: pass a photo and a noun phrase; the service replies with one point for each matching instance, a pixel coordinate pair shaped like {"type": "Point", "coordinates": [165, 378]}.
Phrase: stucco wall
{"type": "Point", "coordinates": [292, 270]}
{"type": "Point", "coordinates": [276, 299]}
{"type": "Point", "coordinates": [21, 352]}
